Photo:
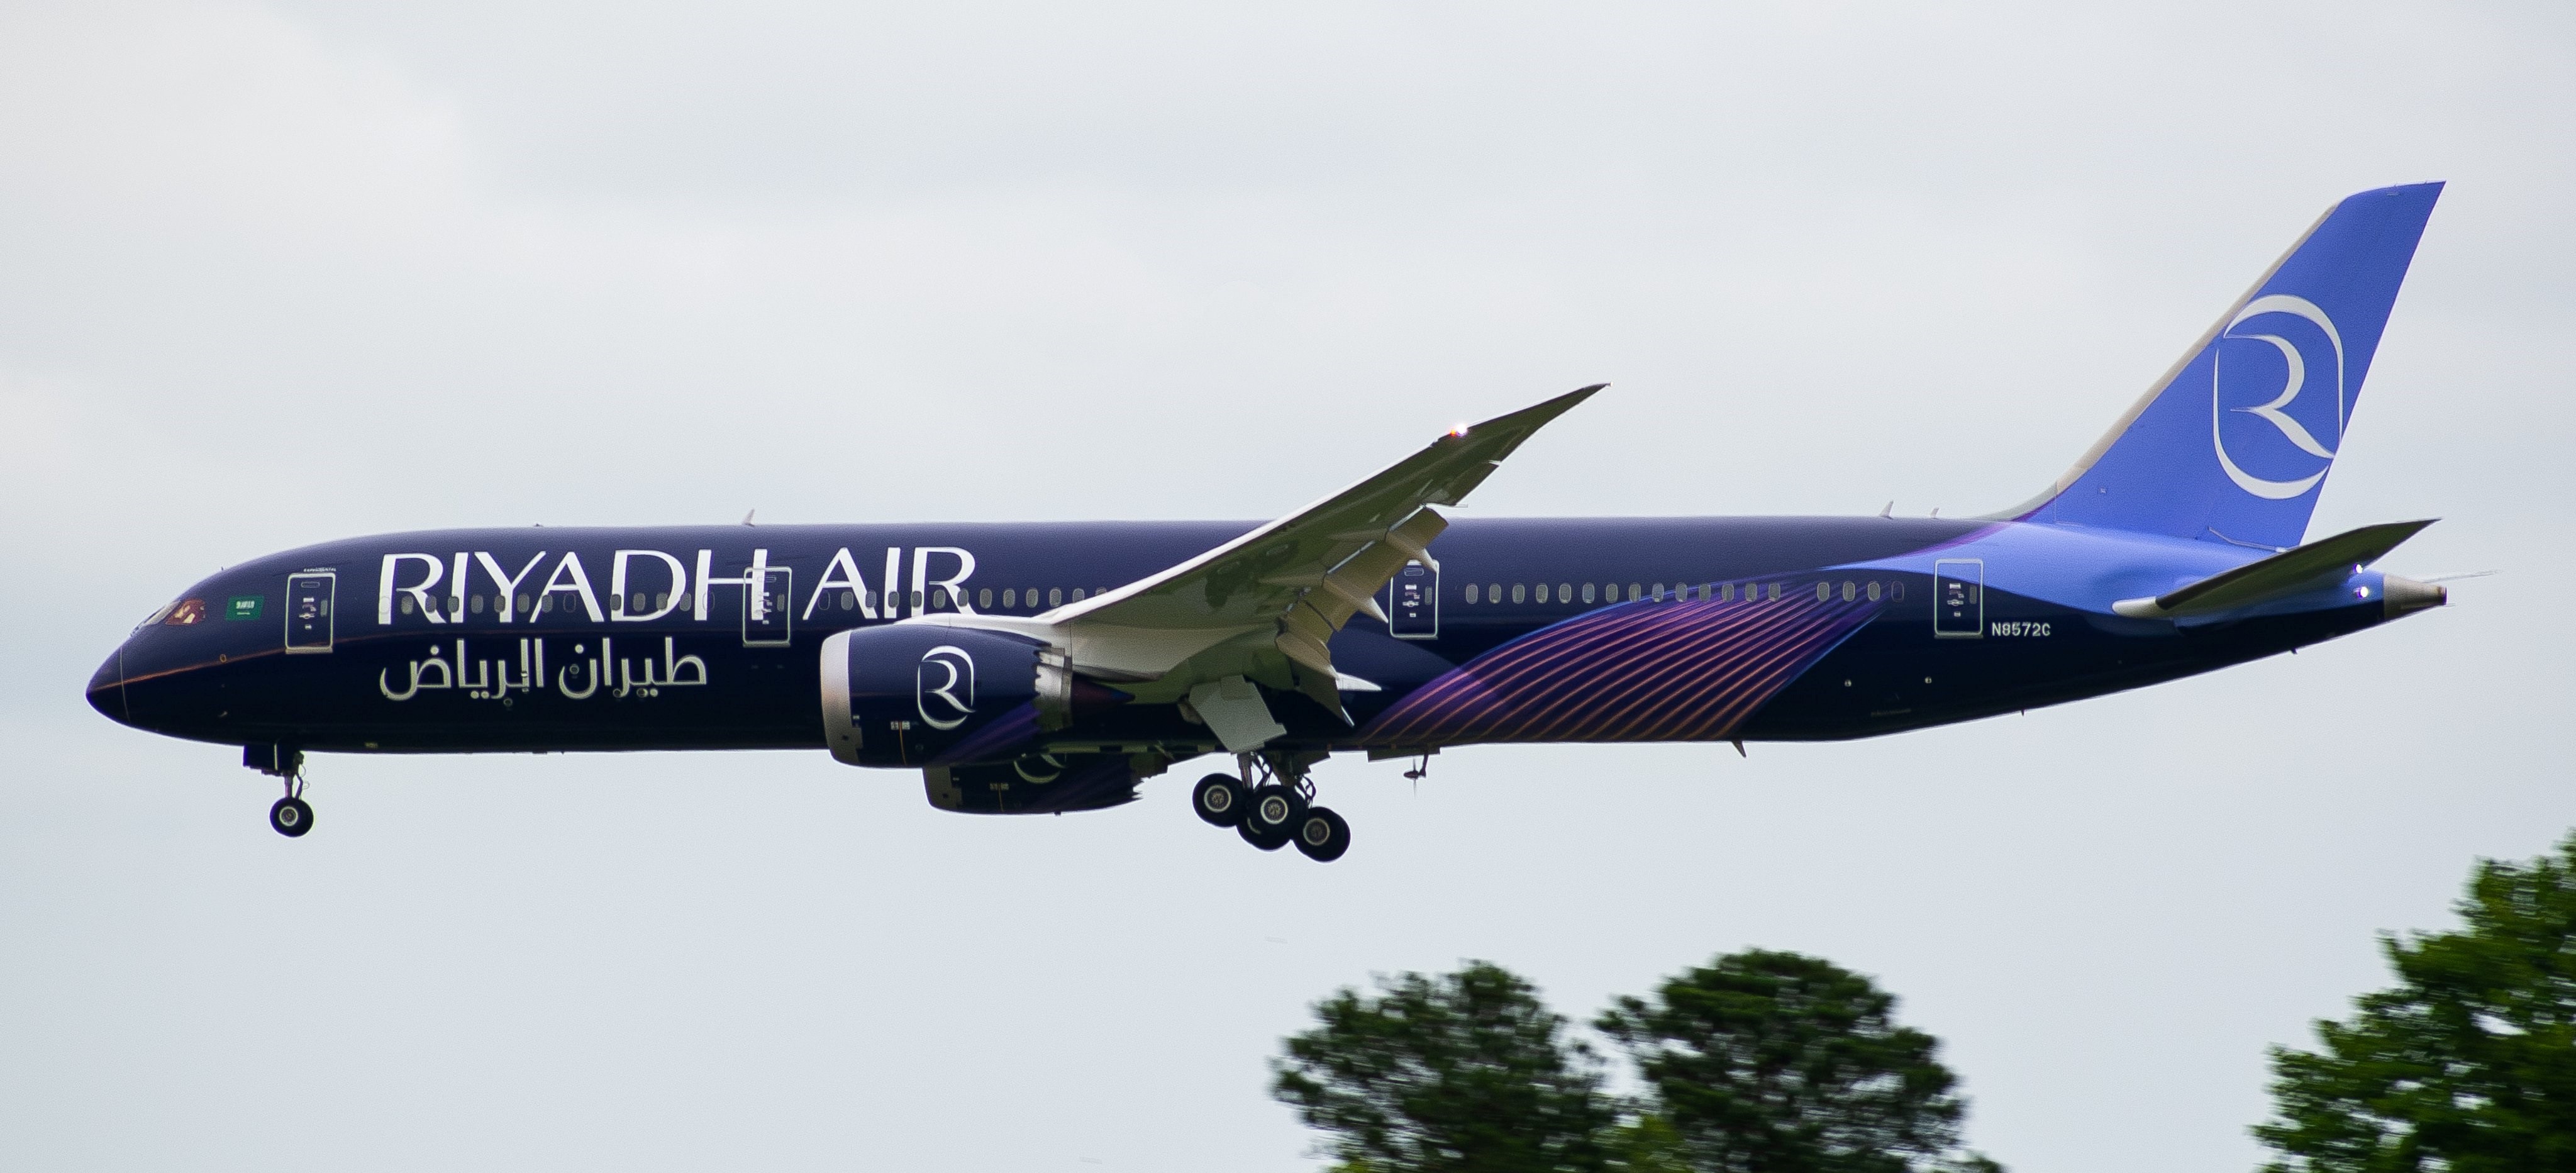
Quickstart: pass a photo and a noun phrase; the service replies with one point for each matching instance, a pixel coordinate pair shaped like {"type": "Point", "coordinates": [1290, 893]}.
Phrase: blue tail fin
{"type": "Point", "coordinates": [2234, 443]}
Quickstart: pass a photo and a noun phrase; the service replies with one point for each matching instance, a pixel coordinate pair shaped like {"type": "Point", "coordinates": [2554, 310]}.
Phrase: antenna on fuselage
{"type": "Point", "coordinates": [1889, 511]}
{"type": "Point", "coordinates": [746, 516]}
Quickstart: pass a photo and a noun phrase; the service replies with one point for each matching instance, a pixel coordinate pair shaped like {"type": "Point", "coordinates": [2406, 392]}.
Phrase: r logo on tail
{"type": "Point", "coordinates": [2293, 379]}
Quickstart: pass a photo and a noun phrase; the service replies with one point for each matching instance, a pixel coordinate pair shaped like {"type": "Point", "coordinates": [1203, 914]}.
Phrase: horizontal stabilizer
{"type": "Point", "coordinates": [2317, 564]}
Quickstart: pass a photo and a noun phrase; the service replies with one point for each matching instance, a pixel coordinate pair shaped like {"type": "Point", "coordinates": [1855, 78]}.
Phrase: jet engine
{"type": "Point", "coordinates": [902, 694]}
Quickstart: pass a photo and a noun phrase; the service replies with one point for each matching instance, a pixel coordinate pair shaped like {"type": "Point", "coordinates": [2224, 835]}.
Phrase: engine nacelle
{"type": "Point", "coordinates": [902, 694]}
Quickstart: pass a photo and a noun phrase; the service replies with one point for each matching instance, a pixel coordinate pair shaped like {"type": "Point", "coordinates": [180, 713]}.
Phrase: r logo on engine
{"type": "Point", "coordinates": [944, 688]}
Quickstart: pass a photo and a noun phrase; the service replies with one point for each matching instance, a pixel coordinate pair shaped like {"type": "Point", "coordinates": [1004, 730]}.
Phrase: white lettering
{"type": "Point", "coordinates": [921, 580]}
{"type": "Point", "coordinates": [847, 568]}
{"type": "Point", "coordinates": [569, 579]}
{"type": "Point", "coordinates": [386, 590]}
{"type": "Point", "coordinates": [706, 577]}
{"type": "Point", "coordinates": [509, 583]}
{"type": "Point", "coordinates": [617, 586]}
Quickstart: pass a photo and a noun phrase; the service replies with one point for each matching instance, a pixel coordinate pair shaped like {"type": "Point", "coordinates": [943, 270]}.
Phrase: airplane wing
{"type": "Point", "coordinates": [1263, 606]}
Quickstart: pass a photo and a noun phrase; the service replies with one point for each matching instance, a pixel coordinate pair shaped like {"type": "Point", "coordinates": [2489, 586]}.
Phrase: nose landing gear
{"type": "Point", "coordinates": [290, 816]}
{"type": "Point", "coordinates": [1276, 811]}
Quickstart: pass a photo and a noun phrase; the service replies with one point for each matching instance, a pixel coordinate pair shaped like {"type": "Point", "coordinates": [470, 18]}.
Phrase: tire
{"type": "Point", "coordinates": [1265, 840]}
{"type": "Point", "coordinates": [1322, 835]}
{"type": "Point", "coordinates": [1220, 799]}
{"type": "Point", "coordinates": [290, 817]}
{"type": "Point", "coordinates": [1275, 810]}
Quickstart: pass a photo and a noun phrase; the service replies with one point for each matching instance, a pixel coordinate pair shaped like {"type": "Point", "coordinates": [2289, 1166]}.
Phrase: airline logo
{"type": "Point", "coordinates": [2266, 409]}
{"type": "Point", "coordinates": [944, 687]}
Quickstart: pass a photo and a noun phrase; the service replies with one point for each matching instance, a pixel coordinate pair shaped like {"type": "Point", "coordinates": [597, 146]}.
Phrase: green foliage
{"type": "Point", "coordinates": [1769, 1062]}
{"type": "Point", "coordinates": [2468, 1065]}
{"type": "Point", "coordinates": [1463, 1073]}
{"type": "Point", "coordinates": [1760, 1063]}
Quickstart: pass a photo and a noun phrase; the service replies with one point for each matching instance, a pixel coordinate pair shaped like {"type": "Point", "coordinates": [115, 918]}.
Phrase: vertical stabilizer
{"type": "Point", "coordinates": [2234, 443]}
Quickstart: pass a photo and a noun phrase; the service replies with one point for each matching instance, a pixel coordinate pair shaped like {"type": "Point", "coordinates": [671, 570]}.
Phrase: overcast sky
{"type": "Point", "coordinates": [277, 274]}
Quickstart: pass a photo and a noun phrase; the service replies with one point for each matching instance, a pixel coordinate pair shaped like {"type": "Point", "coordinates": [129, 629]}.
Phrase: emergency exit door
{"type": "Point", "coordinates": [765, 606]}
{"type": "Point", "coordinates": [1413, 603]}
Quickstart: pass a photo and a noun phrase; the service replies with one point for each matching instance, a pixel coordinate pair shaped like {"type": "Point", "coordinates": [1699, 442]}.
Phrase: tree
{"type": "Point", "coordinates": [1461, 1073]}
{"type": "Point", "coordinates": [1767, 1062]}
{"type": "Point", "coordinates": [2468, 1064]}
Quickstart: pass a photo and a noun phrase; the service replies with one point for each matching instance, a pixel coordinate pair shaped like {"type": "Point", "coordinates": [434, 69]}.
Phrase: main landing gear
{"type": "Point", "coordinates": [290, 816]}
{"type": "Point", "coordinates": [1272, 813]}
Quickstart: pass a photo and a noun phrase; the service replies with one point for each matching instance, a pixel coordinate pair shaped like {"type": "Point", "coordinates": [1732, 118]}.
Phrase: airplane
{"type": "Point", "coordinates": [1046, 668]}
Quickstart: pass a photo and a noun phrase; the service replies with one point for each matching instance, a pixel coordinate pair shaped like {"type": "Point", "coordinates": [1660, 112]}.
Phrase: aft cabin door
{"type": "Point", "coordinates": [765, 607]}
{"type": "Point", "coordinates": [1959, 598]}
{"type": "Point", "coordinates": [1413, 599]}
{"type": "Point", "coordinates": [308, 611]}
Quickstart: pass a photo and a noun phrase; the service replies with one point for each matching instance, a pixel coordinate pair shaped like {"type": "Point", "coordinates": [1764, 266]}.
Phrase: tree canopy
{"type": "Point", "coordinates": [2467, 1064]}
{"type": "Point", "coordinates": [1760, 1062]}
{"type": "Point", "coordinates": [1768, 1062]}
{"type": "Point", "coordinates": [1462, 1073]}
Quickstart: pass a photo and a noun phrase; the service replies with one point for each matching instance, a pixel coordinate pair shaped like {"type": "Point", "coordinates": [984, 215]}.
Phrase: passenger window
{"type": "Point", "coordinates": [1635, 592]}
{"type": "Point", "coordinates": [1471, 592]}
{"type": "Point", "coordinates": [1849, 591]}
{"type": "Point", "coordinates": [1590, 592]}
{"type": "Point", "coordinates": [1658, 593]}
{"type": "Point", "coordinates": [1824, 591]}
{"type": "Point", "coordinates": [1873, 592]}
{"type": "Point", "coordinates": [406, 604]}
{"type": "Point", "coordinates": [1542, 592]}
{"type": "Point", "coordinates": [916, 601]}
{"type": "Point", "coordinates": [1077, 594]}
{"type": "Point", "coordinates": [1565, 592]}
{"type": "Point", "coordinates": [1055, 596]}
{"type": "Point", "coordinates": [983, 596]}
{"type": "Point", "coordinates": [1896, 590]}
{"type": "Point", "coordinates": [1520, 592]}
{"type": "Point", "coordinates": [1775, 592]}
{"type": "Point", "coordinates": [523, 602]}
{"type": "Point", "coordinates": [1010, 597]}
{"type": "Point", "coordinates": [477, 604]}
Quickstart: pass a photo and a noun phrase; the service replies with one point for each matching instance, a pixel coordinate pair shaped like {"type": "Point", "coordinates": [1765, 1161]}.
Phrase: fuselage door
{"type": "Point", "coordinates": [1414, 603]}
{"type": "Point", "coordinates": [308, 610]}
{"type": "Point", "coordinates": [1959, 598]}
{"type": "Point", "coordinates": [765, 607]}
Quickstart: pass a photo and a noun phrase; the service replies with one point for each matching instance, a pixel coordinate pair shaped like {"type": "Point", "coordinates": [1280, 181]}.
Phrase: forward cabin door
{"type": "Point", "coordinates": [1413, 598]}
{"type": "Point", "coordinates": [309, 598]}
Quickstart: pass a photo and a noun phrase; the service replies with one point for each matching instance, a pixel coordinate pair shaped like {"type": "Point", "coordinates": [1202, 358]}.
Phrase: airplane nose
{"type": "Point", "coordinates": [107, 688]}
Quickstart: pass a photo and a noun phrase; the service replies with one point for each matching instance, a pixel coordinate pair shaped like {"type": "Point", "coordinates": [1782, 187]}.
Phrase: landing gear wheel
{"type": "Point", "coordinates": [1221, 800]}
{"type": "Point", "coordinates": [291, 817]}
{"type": "Point", "coordinates": [1322, 835]}
{"type": "Point", "coordinates": [1265, 840]}
{"type": "Point", "coordinates": [1275, 810]}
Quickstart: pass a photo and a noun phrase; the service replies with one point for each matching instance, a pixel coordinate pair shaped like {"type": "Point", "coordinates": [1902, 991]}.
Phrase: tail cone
{"type": "Point", "coordinates": [2405, 596]}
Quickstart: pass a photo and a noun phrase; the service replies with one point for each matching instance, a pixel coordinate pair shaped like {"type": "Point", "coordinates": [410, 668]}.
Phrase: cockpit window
{"type": "Point", "coordinates": [190, 612]}
{"type": "Point", "coordinates": [159, 614]}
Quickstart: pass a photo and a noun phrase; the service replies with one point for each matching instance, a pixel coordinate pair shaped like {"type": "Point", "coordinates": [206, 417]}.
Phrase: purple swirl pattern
{"type": "Point", "coordinates": [1634, 672]}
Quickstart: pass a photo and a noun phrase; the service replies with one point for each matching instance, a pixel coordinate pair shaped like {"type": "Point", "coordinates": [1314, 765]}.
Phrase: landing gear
{"type": "Point", "coordinates": [290, 816]}
{"type": "Point", "coordinates": [1322, 835]}
{"type": "Point", "coordinates": [1274, 813]}
{"type": "Point", "coordinates": [1221, 799]}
